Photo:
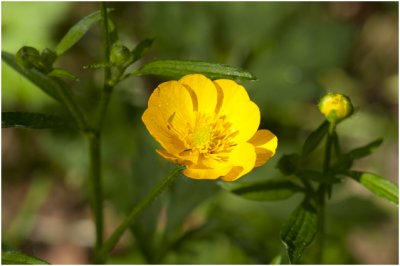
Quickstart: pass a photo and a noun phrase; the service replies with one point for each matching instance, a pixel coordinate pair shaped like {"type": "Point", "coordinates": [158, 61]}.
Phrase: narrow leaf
{"type": "Point", "coordinates": [315, 138]}
{"type": "Point", "coordinates": [323, 178]}
{"type": "Point", "coordinates": [299, 231]}
{"type": "Point", "coordinates": [32, 120]}
{"type": "Point", "coordinates": [49, 86]}
{"type": "Point", "coordinates": [365, 150]}
{"type": "Point", "coordinates": [268, 190]}
{"type": "Point", "coordinates": [178, 68]}
{"type": "Point", "coordinates": [16, 257]}
{"type": "Point", "coordinates": [76, 32]}
{"type": "Point", "coordinates": [62, 73]}
{"type": "Point", "coordinates": [378, 185]}
{"type": "Point", "coordinates": [141, 48]}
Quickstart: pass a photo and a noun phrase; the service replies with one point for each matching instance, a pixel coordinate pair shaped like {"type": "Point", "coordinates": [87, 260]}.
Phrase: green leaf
{"type": "Point", "coordinates": [32, 120]}
{"type": "Point", "coordinates": [299, 231]}
{"type": "Point", "coordinates": [62, 73]}
{"type": "Point", "coordinates": [177, 68]}
{"type": "Point", "coordinates": [378, 185]}
{"type": "Point", "coordinates": [364, 150]}
{"type": "Point", "coordinates": [289, 163]}
{"type": "Point", "coordinates": [315, 138]}
{"type": "Point", "coordinates": [76, 32]}
{"type": "Point", "coordinates": [49, 86]}
{"type": "Point", "coordinates": [276, 260]}
{"type": "Point", "coordinates": [324, 178]}
{"type": "Point", "coordinates": [16, 257]}
{"type": "Point", "coordinates": [141, 48]}
{"type": "Point", "coordinates": [267, 190]}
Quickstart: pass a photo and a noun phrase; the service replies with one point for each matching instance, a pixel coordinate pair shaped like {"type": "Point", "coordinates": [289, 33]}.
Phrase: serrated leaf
{"type": "Point", "coordinates": [177, 68]}
{"type": "Point", "coordinates": [32, 120]}
{"type": "Point", "coordinates": [315, 138]}
{"type": "Point", "coordinates": [16, 257]}
{"type": "Point", "coordinates": [45, 83]}
{"type": "Point", "coordinates": [267, 190]}
{"type": "Point", "coordinates": [378, 185]}
{"type": "Point", "coordinates": [76, 32]}
{"type": "Point", "coordinates": [323, 178]}
{"type": "Point", "coordinates": [62, 73]}
{"type": "Point", "coordinates": [299, 231]}
{"type": "Point", "coordinates": [141, 48]}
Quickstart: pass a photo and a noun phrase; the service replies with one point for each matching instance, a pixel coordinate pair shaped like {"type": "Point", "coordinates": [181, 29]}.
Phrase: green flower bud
{"type": "Point", "coordinates": [27, 57]}
{"type": "Point", "coordinates": [48, 57]}
{"type": "Point", "coordinates": [335, 107]}
{"type": "Point", "coordinates": [120, 55]}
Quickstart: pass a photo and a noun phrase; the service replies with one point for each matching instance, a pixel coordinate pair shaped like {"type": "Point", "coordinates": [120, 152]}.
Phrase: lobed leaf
{"type": "Point", "coordinates": [16, 257]}
{"type": "Point", "coordinates": [177, 68]}
{"type": "Point", "coordinates": [299, 231]}
{"type": "Point", "coordinates": [315, 138]}
{"type": "Point", "coordinates": [76, 32]}
{"type": "Point", "coordinates": [378, 185]}
{"type": "Point", "coordinates": [267, 190]}
{"type": "Point", "coordinates": [32, 120]}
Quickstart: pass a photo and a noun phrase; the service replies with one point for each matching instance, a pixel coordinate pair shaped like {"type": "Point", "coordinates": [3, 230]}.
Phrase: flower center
{"type": "Point", "coordinates": [201, 138]}
{"type": "Point", "coordinates": [210, 136]}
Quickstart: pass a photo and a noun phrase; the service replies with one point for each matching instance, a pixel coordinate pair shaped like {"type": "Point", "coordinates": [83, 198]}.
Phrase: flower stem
{"type": "Point", "coordinates": [321, 195]}
{"type": "Point", "coordinates": [138, 209]}
{"type": "Point", "coordinates": [95, 186]}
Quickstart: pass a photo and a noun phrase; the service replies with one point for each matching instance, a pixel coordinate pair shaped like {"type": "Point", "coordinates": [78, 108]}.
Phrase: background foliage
{"type": "Point", "coordinates": [298, 51]}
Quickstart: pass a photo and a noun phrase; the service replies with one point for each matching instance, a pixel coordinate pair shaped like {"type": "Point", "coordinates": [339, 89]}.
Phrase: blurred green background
{"type": "Point", "coordinates": [299, 51]}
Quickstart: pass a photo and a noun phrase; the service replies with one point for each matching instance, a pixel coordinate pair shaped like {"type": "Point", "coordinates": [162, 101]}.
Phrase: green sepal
{"type": "Point", "coordinates": [33, 121]}
{"type": "Point", "coordinates": [323, 178]}
{"type": "Point", "coordinates": [175, 69]}
{"type": "Point", "coordinates": [62, 73]}
{"type": "Point", "coordinates": [77, 31]}
{"type": "Point", "coordinates": [315, 138]}
{"type": "Point", "coordinates": [299, 231]}
{"type": "Point", "coordinates": [288, 164]}
{"type": "Point", "coordinates": [378, 185]}
{"type": "Point", "coordinates": [18, 258]}
{"type": "Point", "coordinates": [267, 190]}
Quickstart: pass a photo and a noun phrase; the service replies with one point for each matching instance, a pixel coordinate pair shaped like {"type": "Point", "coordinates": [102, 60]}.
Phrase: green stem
{"type": "Point", "coordinates": [95, 186]}
{"type": "Point", "coordinates": [321, 195]}
{"type": "Point", "coordinates": [137, 210]}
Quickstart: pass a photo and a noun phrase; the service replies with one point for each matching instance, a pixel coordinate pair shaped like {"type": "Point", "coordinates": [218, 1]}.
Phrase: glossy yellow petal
{"type": "Point", "coordinates": [265, 143]}
{"type": "Point", "coordinates": [182, 160]}
{"type": "Point", "coordinates": [239, 110]}
{"type": "Point", "coordinates": [174, 104]}
{"type": "Point", "coordinates": [157, 126]}
{"type": "Point", "coordinates": [206, 173]}
{"type": "Point", "coordinates": [242, 158]}
{"type": "Point", "coordinates": [203, 92]}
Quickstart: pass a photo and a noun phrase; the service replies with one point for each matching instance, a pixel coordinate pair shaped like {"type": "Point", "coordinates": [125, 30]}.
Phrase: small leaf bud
{"type": "Point", "coordinates": [120, 55]}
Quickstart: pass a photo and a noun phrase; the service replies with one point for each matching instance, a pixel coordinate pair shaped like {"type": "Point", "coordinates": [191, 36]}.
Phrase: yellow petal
{"type": "Point", "coordinates": [203, 92]}
{"type": "Point", "coordinates": [157, 126]}
{"type": "Point", "coordinates": [206, 173]}
{"type": "Point", "coordinates": [174, 104]}
{"type": "Point", "coordinates": [265, 143]}
{"type": "Point", "coordinates": [242, 158]}
{"type": "Point", "coordinates": [238, 109]}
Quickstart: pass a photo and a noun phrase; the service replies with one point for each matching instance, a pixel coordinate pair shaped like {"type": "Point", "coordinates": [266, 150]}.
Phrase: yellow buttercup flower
{"type": "Point", "coordinates": [208, 126]}
{"type": "Point", "coordinates": [335, 106]}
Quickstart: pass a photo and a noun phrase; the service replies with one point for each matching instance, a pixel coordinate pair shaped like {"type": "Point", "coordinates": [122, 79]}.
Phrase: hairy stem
{"type": "Point", "coordinates": [136, 211]}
